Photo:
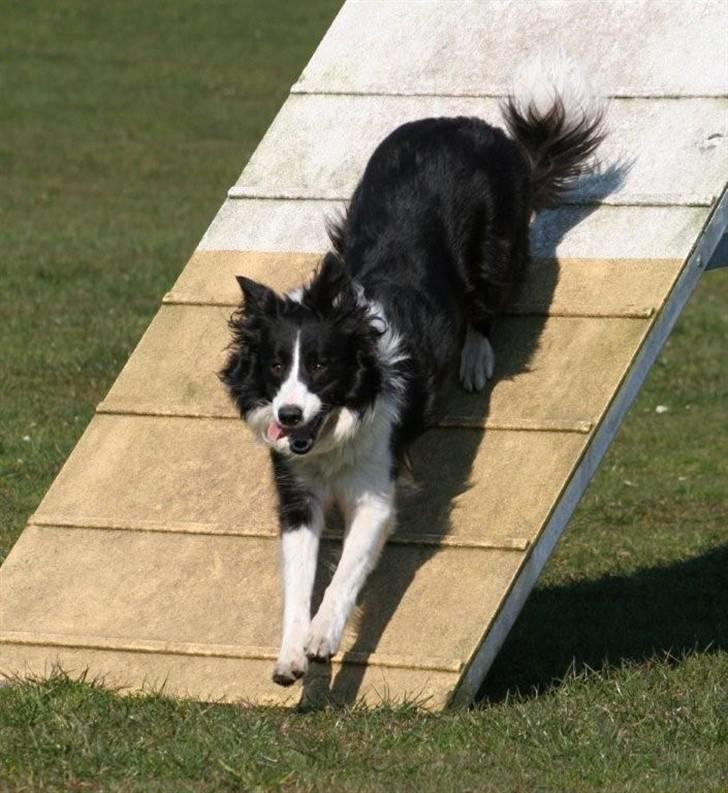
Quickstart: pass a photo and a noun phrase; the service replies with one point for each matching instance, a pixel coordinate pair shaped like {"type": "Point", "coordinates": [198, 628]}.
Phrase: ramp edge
{"type": "Point", "coordinates": [540, 550]}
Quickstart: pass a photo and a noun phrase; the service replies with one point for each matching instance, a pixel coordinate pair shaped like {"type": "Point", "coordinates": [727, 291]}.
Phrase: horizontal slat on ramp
{"type": "Point", "coordinates": [533, 387]}
{"type": "Point", "coordinates": [577, 287]}
{"type": "Point", "coordinates": [222, 678]}
{"type": "Point", "coordinates": [185, 343]}
{"type": "Point", "coordinates": [154, 592]}
{"type": "Point", "coordinates": [676, 149]}
{"type": "Point", "coordinates": [164, 587]}
{"type": "Point", "coordinates": [612, 232]}
{"type": "Point", "coordinates": [473, 46]}
{"type": "Point", "coordinates": [206, 476]}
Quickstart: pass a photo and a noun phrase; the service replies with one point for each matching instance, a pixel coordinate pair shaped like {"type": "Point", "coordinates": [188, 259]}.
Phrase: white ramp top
{"type": "Point", "coordinates": [633, 48]}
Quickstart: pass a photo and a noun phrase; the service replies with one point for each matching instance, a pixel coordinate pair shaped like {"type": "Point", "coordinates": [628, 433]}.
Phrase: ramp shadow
{"type": "Point", "coordinates": [428, 510]}
{"type": "Point", "coordinates": [672, 609]}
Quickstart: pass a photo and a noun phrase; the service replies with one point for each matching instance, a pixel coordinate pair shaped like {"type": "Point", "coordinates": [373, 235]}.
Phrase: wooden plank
{"type": "Point", "coordinates": [209, 276]}
{"type": "Point", "coordinates": [154, 593]}
{"type": "Point", "coordinates": [210, 477]}
{"type": "Point", "coordinates": [531, 386]}
{"type": "Point", "coordinates": [270, 225]}
{"type": "Point", "coordinates": [676, 149]}
{"type": "Point", "coordinates": [597, 288]}
{"type": "Point", "coordinates": [564, 287]}
{"type": "Point", "coordinates": [607, 232]}
{"type": "Point", "coordinates": [613, 232]}
{"type": "Point", "coordinates": [473, 48]}
{"type": "Point", "coordinates": [228, 679]}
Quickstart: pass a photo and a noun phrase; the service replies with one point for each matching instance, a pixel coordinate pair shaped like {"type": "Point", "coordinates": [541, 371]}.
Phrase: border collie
{"type": "Point", "coordinates": [338, 377]}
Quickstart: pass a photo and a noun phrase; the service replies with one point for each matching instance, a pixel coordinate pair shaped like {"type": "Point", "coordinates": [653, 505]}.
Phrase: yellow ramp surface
{"type": "Point", "coordinates": [153, 559]}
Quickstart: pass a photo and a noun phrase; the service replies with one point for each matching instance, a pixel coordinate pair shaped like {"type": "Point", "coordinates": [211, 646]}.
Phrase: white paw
{"type": "Point", "coordinates": [324, 635]}
{"type": "Point", "coordinates": [477, 362]}
{"type": "Point", "coordinates": [290, 666]}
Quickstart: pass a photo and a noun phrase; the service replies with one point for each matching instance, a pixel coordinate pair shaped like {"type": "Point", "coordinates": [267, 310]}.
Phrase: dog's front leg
{"type": "Point", "coordinates": [299, 553]}
{"type": "Point", "coordinates": [370, 506]}
{"type": "Point", "coordinates": [477, 360]}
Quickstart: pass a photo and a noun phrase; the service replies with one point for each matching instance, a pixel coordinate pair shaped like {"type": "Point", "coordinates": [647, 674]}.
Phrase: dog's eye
{"type": "Point", "coordinates": [276, 368]}
{"type": "Point", "coordinates": [319, 366]}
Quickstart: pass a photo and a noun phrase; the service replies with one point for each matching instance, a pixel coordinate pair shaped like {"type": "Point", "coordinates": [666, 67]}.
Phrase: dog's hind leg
{"type": "Point", "coordinates": [370, 508]}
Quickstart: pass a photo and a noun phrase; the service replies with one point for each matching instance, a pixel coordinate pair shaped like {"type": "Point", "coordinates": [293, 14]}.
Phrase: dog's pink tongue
{"type": "Point", "coordinates": [274, 431]}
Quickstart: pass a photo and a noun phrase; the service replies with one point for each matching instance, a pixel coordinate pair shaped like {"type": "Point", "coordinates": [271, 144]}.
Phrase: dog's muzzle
{"type": "Point", "coordinates": [300, 439]}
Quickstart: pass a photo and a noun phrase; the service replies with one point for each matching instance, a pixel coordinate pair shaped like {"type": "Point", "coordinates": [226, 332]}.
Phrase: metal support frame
{"type": "Point", "coordinates": [720, 254]}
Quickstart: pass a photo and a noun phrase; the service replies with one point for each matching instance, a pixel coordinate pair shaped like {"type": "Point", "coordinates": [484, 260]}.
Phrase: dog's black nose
{"type": "Point", "coordinates": [289, 415]}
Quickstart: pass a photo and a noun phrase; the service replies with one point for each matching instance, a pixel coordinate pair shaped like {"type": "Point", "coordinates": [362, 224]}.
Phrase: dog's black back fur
{"type": "Point", "coordinates": [437, 233]}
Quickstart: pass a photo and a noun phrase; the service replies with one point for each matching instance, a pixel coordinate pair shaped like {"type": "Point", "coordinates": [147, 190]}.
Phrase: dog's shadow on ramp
{"type": "Point", "coordinates": [442, 466]}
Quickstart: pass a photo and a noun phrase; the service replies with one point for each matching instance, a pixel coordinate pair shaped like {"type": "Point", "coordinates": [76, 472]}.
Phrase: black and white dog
{"type": "Point", "coordinates": [338, 377]}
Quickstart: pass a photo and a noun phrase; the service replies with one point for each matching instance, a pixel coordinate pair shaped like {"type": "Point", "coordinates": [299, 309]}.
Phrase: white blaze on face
{"type": "Point", "coordinates": [294, 391]}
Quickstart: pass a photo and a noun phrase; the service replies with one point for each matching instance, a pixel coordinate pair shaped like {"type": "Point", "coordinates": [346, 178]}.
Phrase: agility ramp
{"type": "Point", "coordinates": [153, 558]}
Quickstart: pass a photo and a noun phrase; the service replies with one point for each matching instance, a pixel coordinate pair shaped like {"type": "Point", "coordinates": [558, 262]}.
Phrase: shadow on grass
{"type": "Point", "coordinates": [677, 608]}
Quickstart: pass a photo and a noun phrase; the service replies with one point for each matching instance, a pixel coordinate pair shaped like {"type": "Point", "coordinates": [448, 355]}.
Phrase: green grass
{"type": "Point", "coordinates": [656, 726]}
{"type": "Point", "coordinates": [122, 126]}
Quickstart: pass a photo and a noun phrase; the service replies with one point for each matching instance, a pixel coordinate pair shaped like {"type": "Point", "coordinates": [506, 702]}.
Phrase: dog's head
{"type": "Point", "coordinates": [302, 367]}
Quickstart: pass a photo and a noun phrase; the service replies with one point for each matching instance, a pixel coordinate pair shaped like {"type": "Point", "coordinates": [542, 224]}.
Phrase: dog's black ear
{"type": "Point", "coordinates": [331, 286]}
{"type": "Point", "coordinates": [258, 298]}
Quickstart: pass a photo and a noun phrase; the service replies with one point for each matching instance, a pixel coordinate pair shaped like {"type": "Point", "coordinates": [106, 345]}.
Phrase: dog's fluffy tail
{"type": "Point", "coordinates": [558, 121]}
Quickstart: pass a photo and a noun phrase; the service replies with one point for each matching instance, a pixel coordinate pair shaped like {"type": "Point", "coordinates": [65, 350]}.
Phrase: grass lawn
{"type": "Point", "coordinates": [122, 125]}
